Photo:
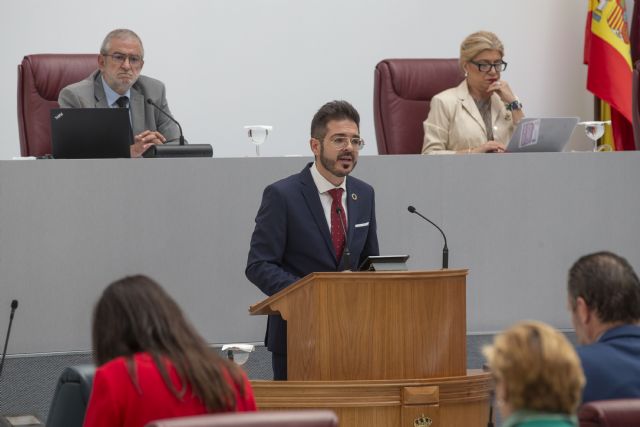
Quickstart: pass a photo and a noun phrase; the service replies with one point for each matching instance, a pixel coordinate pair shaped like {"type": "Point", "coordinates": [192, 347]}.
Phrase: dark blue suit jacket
{"type": "Point", "coordinates": [292, 239]}
{"type": "Point", "coordinates": [612, 365]}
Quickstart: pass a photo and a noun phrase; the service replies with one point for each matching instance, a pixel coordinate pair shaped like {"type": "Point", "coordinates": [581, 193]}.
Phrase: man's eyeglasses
{"type": "Point", "coordinates": [119, 58]}
{"type": "Point", "coordinates": [341, 142]}
{"type": "Point", "coordinates": [485, 67]}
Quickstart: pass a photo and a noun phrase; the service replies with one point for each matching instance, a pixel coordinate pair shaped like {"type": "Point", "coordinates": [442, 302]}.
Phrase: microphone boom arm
{"type": "Point", "coordinates": [445, 249]}
{"type": "Point", "coordinates": [14, 306]}
{"type": "Point", "coordinates": [150, 102]}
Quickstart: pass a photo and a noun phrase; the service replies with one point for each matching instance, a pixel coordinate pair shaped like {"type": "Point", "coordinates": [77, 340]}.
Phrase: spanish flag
{"type": "Point", "coordinates": [607, 52]}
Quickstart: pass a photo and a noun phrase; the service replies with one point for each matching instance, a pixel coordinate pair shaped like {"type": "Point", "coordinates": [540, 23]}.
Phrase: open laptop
{"type": "Point", "coordinates": [90, 133]}
{"type": "Point", "coordinates": [541, 134]}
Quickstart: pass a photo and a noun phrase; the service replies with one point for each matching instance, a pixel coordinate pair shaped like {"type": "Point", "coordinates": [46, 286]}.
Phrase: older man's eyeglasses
{"type": "Point", "coordinates": [485, 67]}
{"type": "Point", "coordinates": [341, 142]}
{"type": "Point", "coordinates": [119, 58]}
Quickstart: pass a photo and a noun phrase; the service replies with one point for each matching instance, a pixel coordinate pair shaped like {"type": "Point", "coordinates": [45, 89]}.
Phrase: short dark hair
{"type": "Point", "coordinates": [334, 110]}
{"type": "Point", "coordinates": [608, 285]}
{"type": "Point", "coordinates": [136, 315]}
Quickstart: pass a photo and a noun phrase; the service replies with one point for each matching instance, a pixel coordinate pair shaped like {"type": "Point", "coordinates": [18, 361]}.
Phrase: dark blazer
{"type": "Point", "coordinates": [292, 239]}
{"type": "Point", "coordinates": [612, 365]}
{"type": "Point", "coordinates": [89, 93]}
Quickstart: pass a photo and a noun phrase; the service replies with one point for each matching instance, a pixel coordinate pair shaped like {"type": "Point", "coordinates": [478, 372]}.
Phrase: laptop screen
{"type": "Point", "coordinates": [90, 133]}
{"type": "Point", "coordinates": [541, 134]}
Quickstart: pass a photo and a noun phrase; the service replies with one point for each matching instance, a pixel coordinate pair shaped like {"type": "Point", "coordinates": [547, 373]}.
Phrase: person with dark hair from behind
{"type": "Point", "coordinates": [604, 299]}
{"type": "Point", "coordinates": [299, 226]}
{"type": "Point", "coordinates": [538, 380]}
{"type": "Point", "coordinates": [152, 364]}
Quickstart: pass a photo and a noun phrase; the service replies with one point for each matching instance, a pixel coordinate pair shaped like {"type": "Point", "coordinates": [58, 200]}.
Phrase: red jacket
{"type": "Point", "coordinates": [115, 401]}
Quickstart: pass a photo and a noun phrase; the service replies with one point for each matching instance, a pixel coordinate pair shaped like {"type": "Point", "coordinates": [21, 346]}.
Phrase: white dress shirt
{"type": "Point", "coordinates": [323, 187]}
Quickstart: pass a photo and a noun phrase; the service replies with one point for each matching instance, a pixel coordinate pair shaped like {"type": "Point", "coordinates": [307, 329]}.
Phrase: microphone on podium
{"type": "Point", "coordinates": [180, 150]}
{"type": "Point", "coordinates": [445, 250]}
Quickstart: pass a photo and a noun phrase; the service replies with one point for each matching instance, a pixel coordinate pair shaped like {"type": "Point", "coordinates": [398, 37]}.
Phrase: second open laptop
{"type": "Point", "coordinates": [549, 134]}
{"type": "Point", "coordinates": [90, 133]}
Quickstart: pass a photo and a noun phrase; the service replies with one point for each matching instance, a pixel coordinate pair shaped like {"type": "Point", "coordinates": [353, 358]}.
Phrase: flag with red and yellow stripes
{"type": "Point", "coordinates": [607, 52]}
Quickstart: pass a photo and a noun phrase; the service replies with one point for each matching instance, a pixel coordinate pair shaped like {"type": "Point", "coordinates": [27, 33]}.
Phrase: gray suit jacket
{"type": "Point", "coordinates": [89, 93]}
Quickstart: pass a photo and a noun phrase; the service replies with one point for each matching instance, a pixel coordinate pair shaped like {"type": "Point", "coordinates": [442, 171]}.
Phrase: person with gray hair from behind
{"type": "Point", "coordinates": [117, 83]}
{"type": "Point", "coordinates": [604, 299]}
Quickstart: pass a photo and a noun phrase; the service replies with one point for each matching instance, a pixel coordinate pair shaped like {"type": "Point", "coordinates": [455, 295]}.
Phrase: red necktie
{"type": "Point", "coordinates": [337, 233]}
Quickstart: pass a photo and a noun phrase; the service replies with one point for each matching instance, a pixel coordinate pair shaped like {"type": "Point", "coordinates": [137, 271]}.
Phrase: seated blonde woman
{"type": "Point", "coordinates": [538, 378]}
{"type": "Point", "coordinates": [480, 114]}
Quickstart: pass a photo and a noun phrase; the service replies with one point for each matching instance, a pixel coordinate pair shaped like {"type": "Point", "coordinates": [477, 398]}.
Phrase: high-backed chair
{"type": "Point", "coordinates": [70, 399]}
{"type": "Point", "coordinates": [610, 413]}
{"type": "Point", "coordinates": [40, 79]}
{"type": "Point", "coordinates": [402, 94]}
{"type": "Point", "coordinates": [312, 418]}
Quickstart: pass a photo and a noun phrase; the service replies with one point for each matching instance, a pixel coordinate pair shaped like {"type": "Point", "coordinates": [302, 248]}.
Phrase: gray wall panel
{"type": "Point", "coordinates": [67, 228]}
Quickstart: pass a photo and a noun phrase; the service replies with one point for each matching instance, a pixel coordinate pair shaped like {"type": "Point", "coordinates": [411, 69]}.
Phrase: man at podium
{"type": "Point", "coordinates": [318, 220]}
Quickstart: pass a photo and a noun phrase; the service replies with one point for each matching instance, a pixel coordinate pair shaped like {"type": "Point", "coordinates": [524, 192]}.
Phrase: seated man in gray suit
{"type": "Point", "coordinates": [117, 83]}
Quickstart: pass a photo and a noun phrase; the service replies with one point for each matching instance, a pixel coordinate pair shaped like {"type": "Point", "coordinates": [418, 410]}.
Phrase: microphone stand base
{"type": "Point", "coordinates": [174, 150]}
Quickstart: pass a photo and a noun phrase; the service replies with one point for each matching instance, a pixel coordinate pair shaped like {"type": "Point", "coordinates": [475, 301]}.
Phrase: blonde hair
{"type": "Point", "coordinates": [538, 367]}
{"type": "Point", "coordinates": [478, 42]}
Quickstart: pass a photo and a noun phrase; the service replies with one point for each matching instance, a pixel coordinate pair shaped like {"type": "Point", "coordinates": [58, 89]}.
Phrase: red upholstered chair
{"type": "Point", "coordinates": [610, 413]}
{"type": "Point", "coordinates": [40, 79]}
{"type": "Point", "coordinates": [314, 418]}
{"type": "Point", "coordinates": [402, 94]}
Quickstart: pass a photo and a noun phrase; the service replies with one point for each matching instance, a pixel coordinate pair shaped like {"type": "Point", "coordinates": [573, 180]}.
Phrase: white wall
{"type": "Point", "coordinates": [231, 63]}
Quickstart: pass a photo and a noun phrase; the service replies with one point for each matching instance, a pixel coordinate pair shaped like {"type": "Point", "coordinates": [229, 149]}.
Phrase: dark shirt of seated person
{"type": "Point", "coordinates": [152, 364]}
{"type": "Point", "coordinates": [480, 114]}
{"type": "Point", "coordinates": [604, 299]}
{"type": "Point", "coordinates": [538, 380]}
{"type": "Point", "coordinates": [118, 76]}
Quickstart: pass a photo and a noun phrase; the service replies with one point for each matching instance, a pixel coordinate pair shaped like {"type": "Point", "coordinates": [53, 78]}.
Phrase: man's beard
{"type": "Point", "coordinates": [331, 165]}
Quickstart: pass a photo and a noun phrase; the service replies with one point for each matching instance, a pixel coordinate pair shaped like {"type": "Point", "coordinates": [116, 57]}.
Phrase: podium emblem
{"type": "Point", "coordinates": [422, 421]}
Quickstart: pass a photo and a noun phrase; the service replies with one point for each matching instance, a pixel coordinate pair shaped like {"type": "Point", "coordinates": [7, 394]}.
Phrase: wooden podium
{"type": "Point", "coordinates": [380, 348]}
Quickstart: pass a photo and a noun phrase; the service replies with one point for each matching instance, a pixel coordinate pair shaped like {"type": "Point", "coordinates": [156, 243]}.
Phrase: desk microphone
{"type": "Point", "coordinates": [180, 150]}
{"type": "Point", "coordinates": [490, 423]}
{"type": "Point", "coordinates": [445, 250]}
{"type": "Point", "coordinates": [346, 253]}
{"type": "Point", "coordinates": [492, 395]}
{"type": "Point", "coordinates": [14, 305]}
{"type": "Point", "coordinates": [150, 102]}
